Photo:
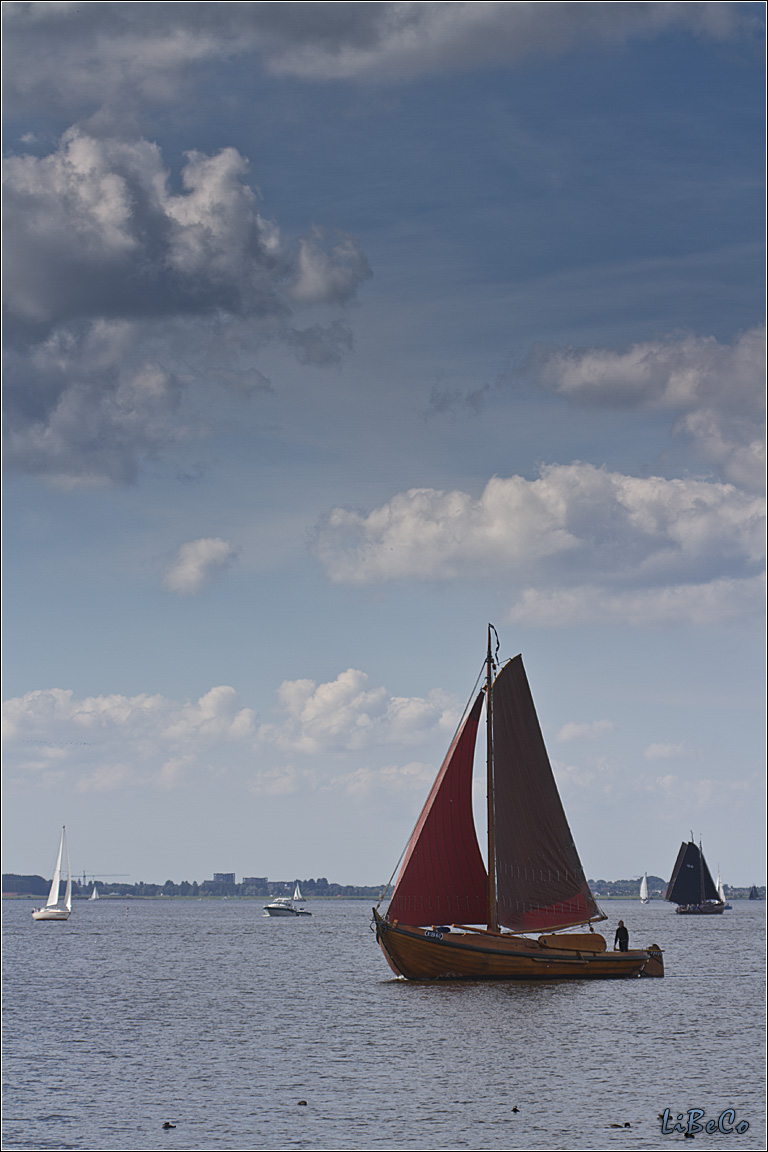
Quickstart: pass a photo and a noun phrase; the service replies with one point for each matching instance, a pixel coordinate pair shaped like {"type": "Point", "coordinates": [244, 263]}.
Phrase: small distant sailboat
{"type": "Point", "coordinates": [285, 906]}
{"type": "Point", "coordinates": [754, 893]}
{"type": "Point", "coordinates": [644, 897]}
{"type": "Point", "coordinates": [692, 887]}
{"type": "Point", "coordinates": [721, 892]}
{"type": "Point", "coordinates": [95, 894]}
{"type": "Point", "coordinates": [52, 910]}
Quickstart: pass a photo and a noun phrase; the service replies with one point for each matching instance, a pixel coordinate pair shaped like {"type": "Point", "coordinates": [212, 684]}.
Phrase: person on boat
{"type": "Point", "coordinates": [621, 939]}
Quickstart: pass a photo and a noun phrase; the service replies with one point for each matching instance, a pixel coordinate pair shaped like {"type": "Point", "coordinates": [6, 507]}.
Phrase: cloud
{"type": "Point", "coordinates": [345, 714]}
{"type": "Point", "coordinates": [712, 602]}
{"type": "Point", "coordinates": [101, 743]}
{"type": "Point", "coordinates": [94, 229]}
{"type": "Point", "coordinates": [588, 731]}
{"type": "Point", "coordinates": [598, 775]}
{"type": "Point", "coordinates": [577, 539]}
{"type": "Point", "coordinates": [52, 739]}
{"type": "Point", "coordinates": [197, 564]}
{"type": "Point", "coordinates": [84, 406]}
{"type": "Point", "coordinates": [119, 54]}
{"type": "Point", "coordinates": [403, 41]}
{"type": "Point", "coordinates": [392, 778]}
{"type": "Point", "coordinates": [679, 794]}
{"type": "Point", "coordinates": [716, 390]}
{"type": "Point", "coordinates": [665, 751]}
{"type": "Point", "coordinates": [320, 345]}
{"type": "Point", "coordinates": [119, 289]}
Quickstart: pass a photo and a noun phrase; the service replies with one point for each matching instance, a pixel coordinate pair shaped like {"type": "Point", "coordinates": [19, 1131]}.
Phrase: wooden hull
{"type": "Point", "coordinates": [434, 954]}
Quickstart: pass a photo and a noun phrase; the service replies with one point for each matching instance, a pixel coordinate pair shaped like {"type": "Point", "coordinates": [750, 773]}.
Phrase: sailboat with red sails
{"type": "Point", "coordinates": [452, 918]}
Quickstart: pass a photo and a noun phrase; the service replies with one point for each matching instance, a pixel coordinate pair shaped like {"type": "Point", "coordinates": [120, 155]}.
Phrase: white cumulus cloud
{"type": "Point", "coordinates": [665, 751]}
{"type": "Point", "coordinates": [197, 564]}
{"type": "Point", "coordinates": [589, 730]}
{"type": "Point", "coordinates": [346, 714]}
{"type": "Point", "coordinates": [336, 736]}
{"type": "Point", "coordinates": [102, 743]}
{"type": "Point", "coordinates": [716, 391]}
{"type": "Point", "coordinates": [712, 602]}
{"type": "Point", "coordinates": [573, 535]}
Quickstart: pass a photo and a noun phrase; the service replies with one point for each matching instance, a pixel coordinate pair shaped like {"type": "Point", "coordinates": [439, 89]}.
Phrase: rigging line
{"type": "Point", "coordinates": [467, 706]}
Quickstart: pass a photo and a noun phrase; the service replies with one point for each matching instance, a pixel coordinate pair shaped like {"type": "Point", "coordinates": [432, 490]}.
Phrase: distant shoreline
{"type": "Point", "coordinates": [116, 898]}
{"type": "Point", "coordinates": [113, 898]}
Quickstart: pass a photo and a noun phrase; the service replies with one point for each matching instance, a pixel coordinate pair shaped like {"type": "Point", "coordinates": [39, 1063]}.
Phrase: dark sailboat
{"type": "Point", "coordinates": [692, 887]}
{"type": "Point", "coordinates": [534, 882]}
{"type": "Point", "coordinates": [754, 894]}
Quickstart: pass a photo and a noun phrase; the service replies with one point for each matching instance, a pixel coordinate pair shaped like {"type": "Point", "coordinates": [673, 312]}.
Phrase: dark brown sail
{"type": "Point", "coordinates": [539, 878]}
{"type": "Point", "coordinates": [443, 879]}
{"type": "Point", "coordinates": [691, 881]}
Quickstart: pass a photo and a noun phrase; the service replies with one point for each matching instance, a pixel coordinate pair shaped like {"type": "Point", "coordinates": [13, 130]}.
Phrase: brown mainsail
{"type": "Point", "coordinates": [534, 881]}
{"type": "Point", "coordinates": [540, 884]}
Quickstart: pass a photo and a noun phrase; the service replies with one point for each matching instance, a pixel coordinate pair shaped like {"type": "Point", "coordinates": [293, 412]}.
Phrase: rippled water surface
{"type": "Point", "coordinates": [218, 1019]}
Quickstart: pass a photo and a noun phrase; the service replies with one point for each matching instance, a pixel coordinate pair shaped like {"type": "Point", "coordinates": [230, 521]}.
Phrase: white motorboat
{"type": "Point", "coordinates": [286, 905]}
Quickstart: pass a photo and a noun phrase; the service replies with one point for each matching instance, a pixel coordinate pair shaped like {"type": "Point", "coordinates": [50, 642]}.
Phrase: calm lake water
{"type": "Point", "coordinates": [218, 1019]}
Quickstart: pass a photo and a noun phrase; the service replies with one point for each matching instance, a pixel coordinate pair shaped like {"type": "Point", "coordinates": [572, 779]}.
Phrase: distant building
{"type": "Point", "coordinates": [256, 881]}
{"type": "Point", "coordinates": [223, 877]}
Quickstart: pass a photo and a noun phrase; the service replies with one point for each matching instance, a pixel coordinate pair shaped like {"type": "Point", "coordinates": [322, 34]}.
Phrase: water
{"type": "Point", "coordinates": [217, 1019]}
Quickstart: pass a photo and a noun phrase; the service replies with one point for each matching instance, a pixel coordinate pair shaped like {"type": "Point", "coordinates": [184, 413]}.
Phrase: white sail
{"type": "Point", "coordinates": [720, 889]}
{"type": "Point", "coordinates": [95, 894]}
{"type": "Point", "coordinates": [53, 910]}
{"type": "Point", "coordinates": [53, 895]}
{"type": "Point", "coordinates": [644, 889]}
{"type": "Point", "coordinates": [297, 893]}
{"type": "Point", "coordinates": [68, 893]}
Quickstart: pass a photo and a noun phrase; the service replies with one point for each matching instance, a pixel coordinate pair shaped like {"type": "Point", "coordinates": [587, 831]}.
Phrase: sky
{"type": "Point", "coordinates": [334, 332]}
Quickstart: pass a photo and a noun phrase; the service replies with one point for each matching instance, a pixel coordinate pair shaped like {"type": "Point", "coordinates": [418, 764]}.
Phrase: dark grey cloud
{"type": "Point", "coordinates": [106, 267]}
{"type": "Point", "coordinates": [94, 229]}
{"type": "Point", "coordinates": [84, 408]}
{"type": "Point", "coordinates": [83, 56]}
{"type": "Point", "coordinates": [321, 346]}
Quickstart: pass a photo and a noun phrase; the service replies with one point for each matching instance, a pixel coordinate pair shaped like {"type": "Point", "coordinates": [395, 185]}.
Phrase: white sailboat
{"type": "Point", "coordinates": [95, 894]}
{"type": "Point", "coordinates": [644, 897]}
{"type": "Point", "coordinates": [721, 890]}
{"type": "Point", "coordinates": [52, 910]}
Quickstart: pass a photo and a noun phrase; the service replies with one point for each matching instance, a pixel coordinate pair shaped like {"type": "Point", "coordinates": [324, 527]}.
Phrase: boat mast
{"type": "Point", "coordinates": [493, 914]}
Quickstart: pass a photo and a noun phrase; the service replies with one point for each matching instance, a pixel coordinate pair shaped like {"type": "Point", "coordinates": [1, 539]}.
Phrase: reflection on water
{"type": "Point", "coordinates": [213, 1017]}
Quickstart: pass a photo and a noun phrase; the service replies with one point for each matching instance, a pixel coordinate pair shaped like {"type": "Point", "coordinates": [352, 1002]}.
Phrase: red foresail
{"type": "Point", "coordinates": [443, 879]}
{"type": "Point", "coordinates": [540, 882]}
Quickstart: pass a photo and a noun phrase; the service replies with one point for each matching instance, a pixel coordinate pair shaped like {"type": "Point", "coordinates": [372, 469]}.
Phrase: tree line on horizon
{"type": "Point", "coordinates": [261, 887]}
